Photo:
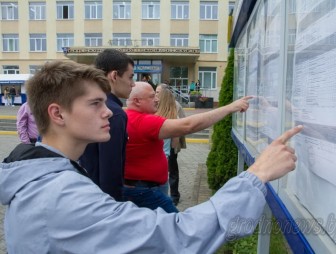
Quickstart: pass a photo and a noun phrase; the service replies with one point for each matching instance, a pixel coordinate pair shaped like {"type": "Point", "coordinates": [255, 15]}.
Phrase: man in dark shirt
{"type": "Point", "coordinates": [12, 94]}
{"type": "Point", "coordinates": [105, 161]}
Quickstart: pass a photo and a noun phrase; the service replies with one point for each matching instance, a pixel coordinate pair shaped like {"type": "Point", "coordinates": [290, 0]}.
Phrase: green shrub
{"type": "Point", "coordinates": [222, 159]}
{"type": "Point", "coordinates": [248, 245]}
{"type": "Point", "coordinates": [195, 93]}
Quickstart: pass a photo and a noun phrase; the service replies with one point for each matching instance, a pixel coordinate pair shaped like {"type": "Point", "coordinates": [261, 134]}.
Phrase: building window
{"type": "Point", "coordinates": [209, 10]}
{"type": "Point", "coordinates": [207, 77]}
{"type": "Point", "coordinates": [150, 39]}
{"type": "Point", "coordinates": [208, 43]}
{"type": "Point", "coordinates": [292, 6]}
{"type": "Point", "coordinates": [9, 11]}
{"type": "Point", "coordinates": [93, 40]}
{"type": "Point", "coordinates": [38, 42]}
{"type": "Point", "coordinates": [121, 39]}
{"type": "Point", "coordinates": [34, 68]}
{"type": "Point", "coordinates": [150, 9]}
{"type": "Point", "coordinates": [11, 69]}
{"type": "Point", "coordinates": [10, 42]}
{"type": "Point", "coordinates": [37, 11]}
{"type": "Point", "coordinates": [178, 78]}
{"type": "Point", "coordinates": [64, 40]}
{"type": "Point", "coordinates": [231, 6]}
{"type": "Point", "coordinates": [65, 10]}
{"type": "Point", "coordinates": [121, 9]}
{"type": "Point", "coordinates": [93, 10]}
{"type": "Point", "coordinates": [291, 35]}
{"type": "Point", "coordinates": [179, 10]}
{"type": "Point", "coordinates": [179, 40]}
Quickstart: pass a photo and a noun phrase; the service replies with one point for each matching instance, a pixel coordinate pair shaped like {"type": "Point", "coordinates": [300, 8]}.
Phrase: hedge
{"type": "Point", "coordinates": [222, 158]}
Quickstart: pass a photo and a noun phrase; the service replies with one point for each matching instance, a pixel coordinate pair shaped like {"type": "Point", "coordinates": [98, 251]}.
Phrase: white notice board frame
{"type": "Point", "coordinates": [301, 229]}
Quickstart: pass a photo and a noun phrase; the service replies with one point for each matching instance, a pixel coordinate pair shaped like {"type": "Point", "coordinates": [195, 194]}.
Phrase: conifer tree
{"type": "Point", "coordinates": [222, 159]}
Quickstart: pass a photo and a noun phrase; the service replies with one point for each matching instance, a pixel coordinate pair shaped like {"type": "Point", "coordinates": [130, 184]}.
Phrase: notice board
{"type": "Point", "coordinates": [286, 57]}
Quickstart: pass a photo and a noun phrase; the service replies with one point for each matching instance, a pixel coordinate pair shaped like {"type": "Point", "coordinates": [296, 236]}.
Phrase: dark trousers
{"type": "Point", "coordinates": [151, 198]}
{"type": "Point", "coordinates": [173, 176]}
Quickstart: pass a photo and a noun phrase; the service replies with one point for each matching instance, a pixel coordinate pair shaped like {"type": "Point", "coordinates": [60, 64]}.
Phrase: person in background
{"type": "Point", "coordinates": [26, 125]}
{"type": "Point", "coordinates": [53, 207]}
{"type": "Point", "coordinates": [144, 171]}
{"type": "Point", "coordinates": [198, 86]}
{"type": "Point", "coordinates": [6, 97]}
{"type": "Point", "coordinates": [147, 78]}
{"type": "Point", "coordinates": [105, 161]}
{"type": "Point", "coordinates": [192, 86]}
{"type": "Point", "coordinates": [12, 94]}
{"type": "Point", "coordinates": [173, 167]}
{"type": "Point", "coordinates": [166, 109]}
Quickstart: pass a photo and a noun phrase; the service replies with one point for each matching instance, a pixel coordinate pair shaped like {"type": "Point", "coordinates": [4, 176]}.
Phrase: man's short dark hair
{"type": "Point", "coordinates": [113, 60]}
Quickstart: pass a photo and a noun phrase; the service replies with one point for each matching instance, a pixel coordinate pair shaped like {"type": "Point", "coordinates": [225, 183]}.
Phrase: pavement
{"type": "Point", "coordinates": [193, 173]}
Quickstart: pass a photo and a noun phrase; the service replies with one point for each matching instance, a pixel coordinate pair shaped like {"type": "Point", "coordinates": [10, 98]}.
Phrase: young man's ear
{"type": "Point", "coordinates": [54, 112]}
{"type": "Point", "coordinates": [112, 75]}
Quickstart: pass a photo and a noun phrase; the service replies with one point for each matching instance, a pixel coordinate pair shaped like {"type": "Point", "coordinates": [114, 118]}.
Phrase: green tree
{"type": "Point", "coordinates": [222, 159]}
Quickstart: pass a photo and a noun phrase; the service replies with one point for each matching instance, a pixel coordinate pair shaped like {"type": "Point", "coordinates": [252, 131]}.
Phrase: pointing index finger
{"type": "Point", "coordinates": [290, 133]}
{"type": "Point", "coordinates": [248, 97]}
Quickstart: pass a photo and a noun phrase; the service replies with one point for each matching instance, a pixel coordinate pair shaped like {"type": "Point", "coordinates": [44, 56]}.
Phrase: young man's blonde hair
{"type": "Point", "coordinates": [60, 82]}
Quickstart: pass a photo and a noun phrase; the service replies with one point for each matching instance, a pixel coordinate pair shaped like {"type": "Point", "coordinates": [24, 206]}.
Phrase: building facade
{"type": "Point", "coordinates": [175, 41]}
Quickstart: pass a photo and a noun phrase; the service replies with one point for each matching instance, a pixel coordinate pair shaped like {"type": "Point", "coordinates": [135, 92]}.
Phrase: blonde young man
{"type": "Point", "coordinates": [53, 207]}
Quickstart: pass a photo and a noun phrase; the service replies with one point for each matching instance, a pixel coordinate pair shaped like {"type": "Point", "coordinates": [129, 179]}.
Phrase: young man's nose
{"type": "Point", "coordinates": [109, 112]}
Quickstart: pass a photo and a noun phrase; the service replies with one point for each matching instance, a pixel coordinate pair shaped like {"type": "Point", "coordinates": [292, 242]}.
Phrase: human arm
{"type": "Point", "coordinates": [183, 126]}
{"type": "Point", "coordinates": [180, 111]}
{"type": "Point", "coordinates": [277, 159]}
{"type": "Point", "coordinates": [112, 227]}
{"type": "Point", "coordinates": [22, 124]}
{"type": "Point", "coordinates": [166, 146]}
{"type": "Point", "coordinates": [233, 212]}
{"type": "Point", "coordinates": [175, 143]}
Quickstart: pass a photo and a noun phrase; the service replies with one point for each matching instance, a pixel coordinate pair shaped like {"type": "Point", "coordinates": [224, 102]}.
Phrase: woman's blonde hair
{"type": "Point", "coordinates": [167, 104]}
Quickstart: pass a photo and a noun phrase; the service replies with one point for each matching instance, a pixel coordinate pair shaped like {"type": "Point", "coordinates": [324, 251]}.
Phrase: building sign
{"type": "Point", "coordinates": [140, 68]}
{"type": "Point", "coordinates": [88, 50]}
{"type": "Point", "coordinates": [6, 82]}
